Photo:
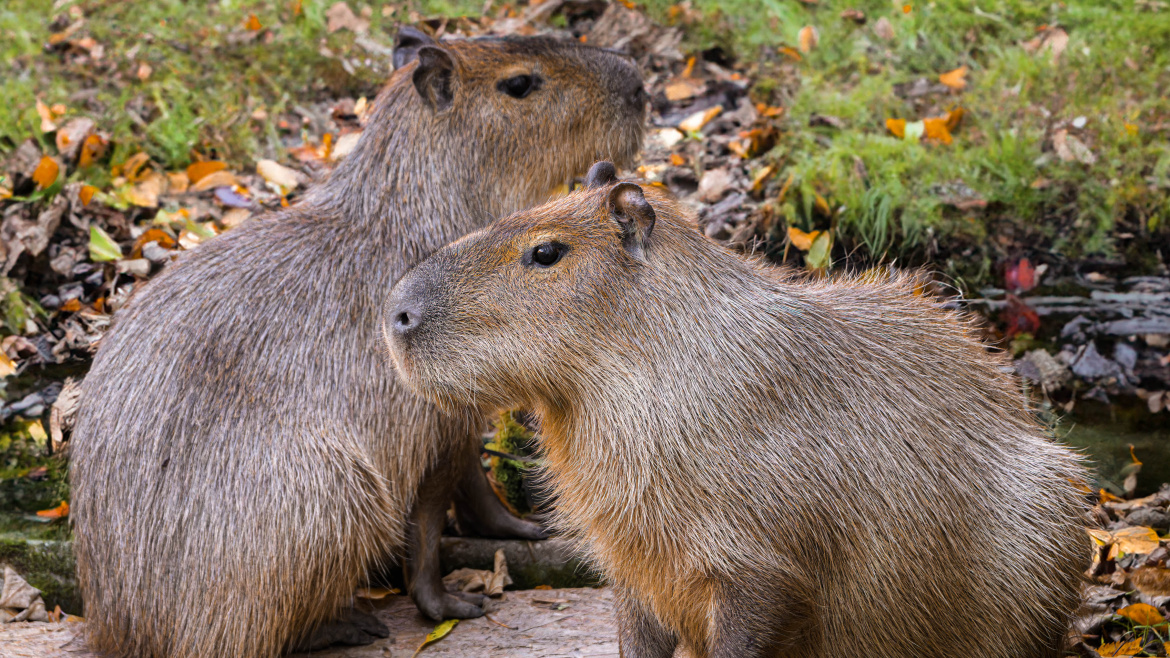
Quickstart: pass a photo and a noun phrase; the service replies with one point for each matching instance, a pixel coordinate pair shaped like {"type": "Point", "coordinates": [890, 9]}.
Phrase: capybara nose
{"type": "Point", "coordinates": [405, 318]}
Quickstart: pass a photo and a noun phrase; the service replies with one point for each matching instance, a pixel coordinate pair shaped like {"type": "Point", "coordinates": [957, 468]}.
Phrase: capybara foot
{"type": "Point", "coordinates": [480, 512]}
{"type": "Point", "coordinates": [352, 629]}
{"type": "Point", "coordinates": [474, 599]}
{"type": "Point", "coordinates": [441, 605]}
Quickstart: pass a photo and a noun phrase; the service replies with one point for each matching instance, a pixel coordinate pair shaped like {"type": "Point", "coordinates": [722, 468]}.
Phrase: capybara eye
{"type": "Point", "coordinates": [547, 254]}
{"type": "Point", "coordinates": [518, 86]}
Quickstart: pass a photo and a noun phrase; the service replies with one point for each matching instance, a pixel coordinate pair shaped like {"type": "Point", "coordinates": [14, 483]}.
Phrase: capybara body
{"type": "Point", "coordinates": [760, 464]}
{"type": "Point", "coordinates": [243, 454]}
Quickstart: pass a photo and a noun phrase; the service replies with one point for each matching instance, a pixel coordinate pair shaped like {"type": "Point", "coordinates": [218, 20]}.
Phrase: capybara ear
{"type": "Point", "coordinates": [433, 77]}
{"type": "Point", "coordinates": [601, 174]}
{"type": "Point", "coordinates": [407, 43]}
{"type": "Point", "coordinates": [630, 209]}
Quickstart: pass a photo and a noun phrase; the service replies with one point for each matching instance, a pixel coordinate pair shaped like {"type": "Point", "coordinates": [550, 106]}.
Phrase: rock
{"type": "Point", "coordinates": [1151, 517]}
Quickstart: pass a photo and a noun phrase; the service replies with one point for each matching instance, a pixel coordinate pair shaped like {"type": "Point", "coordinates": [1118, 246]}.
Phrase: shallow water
{"type": "Point", "coordinates": [1105, 433]}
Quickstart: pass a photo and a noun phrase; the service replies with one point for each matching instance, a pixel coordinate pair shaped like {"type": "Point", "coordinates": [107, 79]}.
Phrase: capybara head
{"type": "Point", "coordinates": [521, 311]}
{"type": "Point", "coordinates": [539, 105]}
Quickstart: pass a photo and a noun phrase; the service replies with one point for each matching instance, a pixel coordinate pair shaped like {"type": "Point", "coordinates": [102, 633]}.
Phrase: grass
{"type": "Point", "coordinates": [1115, 73]}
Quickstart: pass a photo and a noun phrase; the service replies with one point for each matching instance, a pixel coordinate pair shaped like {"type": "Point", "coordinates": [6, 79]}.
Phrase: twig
{"type": "Point", "coordinates": [489, 618]}
{"type": "Point", "coordinates": [553, 621]}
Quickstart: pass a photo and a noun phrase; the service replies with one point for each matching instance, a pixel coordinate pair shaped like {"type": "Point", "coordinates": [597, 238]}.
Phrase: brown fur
{"type": "Point", "coordinates": [243, 455]}
{"type": "Point", "coordinates": [761, 465]}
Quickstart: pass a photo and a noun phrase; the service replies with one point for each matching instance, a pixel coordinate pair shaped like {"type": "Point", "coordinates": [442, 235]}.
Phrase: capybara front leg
{"type": "Point", "coordinates": [480, 511]}
{"type": "Point", "coordinates": [769, 618]}
{"type": "Point", "coordinates": [424, 577]}
{"type": "Point", "coordinates": [640, 635]}
{"type": "Point", "coordinates": [353, 628]}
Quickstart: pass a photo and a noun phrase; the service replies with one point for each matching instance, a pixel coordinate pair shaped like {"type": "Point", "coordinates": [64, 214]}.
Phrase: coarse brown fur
{"type": "Point", "coordinates": [760, 464]}
{"type": "Point", "coordinates": [243, 454]}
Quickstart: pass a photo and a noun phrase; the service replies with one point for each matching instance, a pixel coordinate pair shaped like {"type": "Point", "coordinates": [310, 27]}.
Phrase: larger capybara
{"type": "Point", "coordinates": [760, 465]}
{"type": "Point", "coordinates": [243, 454]}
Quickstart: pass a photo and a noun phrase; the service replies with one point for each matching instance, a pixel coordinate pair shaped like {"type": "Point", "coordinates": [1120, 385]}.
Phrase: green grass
{"type": "Point", "coordinates": [207, 78]}
{"type": "Point", "coordinates": [1115, 71]}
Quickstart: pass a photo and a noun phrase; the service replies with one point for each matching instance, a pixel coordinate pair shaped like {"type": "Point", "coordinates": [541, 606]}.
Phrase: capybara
{"type": "Point", "coordinates": [760, 464]}
{"type": "Point", "coordinates": [243, 454]}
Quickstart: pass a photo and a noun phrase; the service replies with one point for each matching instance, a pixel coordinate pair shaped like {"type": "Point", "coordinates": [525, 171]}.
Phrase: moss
{"type": "Point", "coordinates": [512, 438]}
{"type": "Point", "coordinates": [48, 566]}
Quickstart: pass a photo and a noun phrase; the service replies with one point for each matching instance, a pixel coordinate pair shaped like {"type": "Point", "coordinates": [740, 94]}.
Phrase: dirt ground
{"type": "Point", "coordinates": [560, 623]}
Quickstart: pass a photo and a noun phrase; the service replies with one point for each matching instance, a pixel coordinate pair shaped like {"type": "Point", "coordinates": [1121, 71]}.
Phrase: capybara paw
{"type": "Point", "coordinates": [449, 606]}
{"type": "Point", "coordinates": [472, 598]}
{"type": "Point", "coordinates": [352, 629]}
{"type": "Point", "coordinates": [526, 529]}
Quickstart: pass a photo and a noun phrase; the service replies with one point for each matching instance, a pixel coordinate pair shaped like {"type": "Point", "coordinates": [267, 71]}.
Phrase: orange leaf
{"type": "Point", "coordinates": [936, 129]}
{"type": "Point", "coordinates": [133, 165]}
{"type": "Point", "coordinates": [198, 170]}
{"type": "Point", "coordinates": [158, 235]}
{"type": "Point", "coordinates": [677, 160]}
{"type": "Point", "coordinates": [954, 117]}
{"type": "Point", "coordinates": [801, 240]}
{"type": "Point", "coordinates": [956, 79]}
{"type": "Point", "coordinates": [1142, 614]}
{"type": "Point", "coordinates": [897, 127]}
{"type": "Point", "coordinates": [59, 512]}
{"type": "Point", "coordinates": [253, 23]}
{"type": "Point", "coordinates": [91, 149]}
{"type": "Point", "coordinates": [790, 52]}
{"type": "Point", "coordinates": [1120, 649]}
{"type": "Point", "coordinates": [907, 8]}
{"type": "Point", "coordinates": [690, 68]}
{"type": "Point", "coordinates": [86, 194]}
{"type": "Point", "coordinates": [807, 38]}
{"type": "Point", "coordinates": [46, 172]}
{"type": "Point", "coordinates": [71, 305]}
{"type": "Point", "coordinates": [1136, 540]}
{"type": "Point", "coordinates": [1107, 497]}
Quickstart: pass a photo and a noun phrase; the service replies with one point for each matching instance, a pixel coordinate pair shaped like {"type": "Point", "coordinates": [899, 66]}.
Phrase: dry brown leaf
{"type": "Point", "coordinates": [376, 593]}
{"type": "Point", "coordinates": [46, 114]}
{"type": "Point", "coordinates": [46, 172]}
{"type": "Point", "coordinates": [93, 148]}
{"type": "Point", "coordinates": [956, 79]}
{"type": "Point", "coordinates": [1151, 581]}
{"type": "Point", "coordinates": [682, 89]}
{"type": "Point", "coordinates": [341, 17]}
{"type": "Point", "coordinates": [157, 235]}
{"type": "Point", "coordinates": [696, 121]}
{"type": "Point", "coordinates": [131, 169]}
{"type": "Point", "coordinates": [7, 365]}
{"type": "Point", "coordinates": [178, 182]}
{"type": "Point", "coordinates": [282, 177]}
{"type": "Point", "coordinates": [883, 29]}
{"type": "Point", "coordinates": [1136, 540]}
{"type": "Point", "coordinates": [143, 72]}
{"type": "Point", "coordinates": [1053, 41]}
{"type": "Point", "coordinates": [1068, 148]}
{"type": "Point", "coordinates": [145, 192]}
{"type": "Point", "coordinates": [808, 38]}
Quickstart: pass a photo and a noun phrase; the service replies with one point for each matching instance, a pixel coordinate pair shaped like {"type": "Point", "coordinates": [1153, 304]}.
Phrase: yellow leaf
{"type": "Point", "coordinates": [956, 79]}
{"type": "Point", "coordinates": [1142, 614]}
{"type": "Point", "coordinates": [58, 512]}
{"type": "Point", "coordinates": [92, 148]}
{"type": "Point", "coordinates": [1100, 537]}
{"type": "Point", "coordinates": [1136, 540]}
{"type": "Point", "coordinates": [1131, 129]}
{"type": "Point", "coordinates": [439, 633]}
{"type": "Point", "coordinates": [198, 170]}
{"type": "Point", "coordinates": [46, 172]}
{"type": "Point", "coordinates": [790, 52]}
{"type": "Point", "coordinates": [801, 240]}
{"type": "Point", "coordinates": [897, 127]}
{"type": "Point", "coordinates": [86, 194]}
{"type": "Point", "coordinates": [213, 180]}
{"type": "Point", "coordinates": [1133, 456]}
{"type": "Point", "coordinates": [954, 117]}
{"type": "Point", "coordinates": [37, 431]}
{"type": "Point", "coordinates": [133, 165]}
{"type": "Point", "coordinates": [46, 114]}
{"type": "Point", "coordinates": [7, 365]}
{"type": "Point", "coordinates": [677, 159]}
{"type": "Point", "coordinates": [1107, 497]}
{"type": "Point", "coordinates": [690, 68]}
{"type": "Point", "coordinates": [1120, 649]}
{"type": "Point", "coordinates": [808, 38]}
{"type": "Point", "coordinates": [936, 128]}
{"type": "Point", "coordinates": [682, 89]}
{"type": "Point", "coordinates": [762, 177]}
{"type": "Point", "coordinates": [699, 119]}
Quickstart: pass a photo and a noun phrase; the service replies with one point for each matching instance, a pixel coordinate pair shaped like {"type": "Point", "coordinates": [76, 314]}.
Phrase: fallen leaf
{"type": "Point", "coordinates": [1142, 614]}
{"type": "Point", "coordinates": [72, 135]}
{"type": "Point", "coordinates": [696, 121]}
{"type": "Point", "coordinates": [936, 128]}
{"type": "Point", "coordinates": [954, 117]}
{"type": "Point", "coordinates": [7, 365]}
{"type": "Point", "coordinates": [71, 305]}
{"type": "Point", "coordinates": [145, 192]}
{"type": "Point", "coordinates": [101, 246]}
{"type": "Point", "coordinates": [1151, 581]}
{"type": "Point", "coordinates": [341, 17]}
{"type": "Point", "coordinates": [790, 52]}
{"type": "Point", "coordinates": [1120, 649]}
{"type": "Point", "coordinates": [93, 148]}
{"type": "Point", "coordinates": [1068, 148]}
{"type": "Point", "coordinates": [820, 254]}
{"type": "Point", "coordinates": [762, 177]}
{"type": "Point", "coordinates": [682, 89]}
{"type": "Point", "coordinates": [178, 182]}
{"type": "Point", "coordinates": [285, 179]}
{"type": "Point", "coordinates": [253, 23]}
{"type": "Point", "coordinates": [156, 235]}
{"type": "Point", "coordinates": [677, 159]}
{"type": "Point", "coordinates": [59, 512]}
{"type": "Point", "coordinates": [1136, 540]}
{"type": "Point", "coordinates": [46, 172]}
{"type": "Point", "coordinates": [143, 72]}
{"type": "Point", "coordinates": [801, 240]}
{"type": "Point", "coordinates": [85, 194]}
{"type": "Point", "coordinates": [213, 180]}
{"type": "Point", "coordinates": [37, 431]}
{"type": "Point", "coordinates": [1053, 41]}
{"type": "Point", "coordinates": [439, 633]}
{"type": "Point", "coordinates": [132, 168]}
{"type": "Point", "coordinates": [197, 171]}
{"type": "Point", "coordinates": [897, 127]}
{"type": "Point", "coordinates": [807, 38]}
{"type": "Point", "coordinates": [956, 79]}
{"type": "Point", "coordinates": [914, 131]}
{"type": "Point", "coordinates": [855, 15]}
{"type": "Point", "coordinates": [1020, 277]}
{"type": "Point", "coordinates": [46, 114]}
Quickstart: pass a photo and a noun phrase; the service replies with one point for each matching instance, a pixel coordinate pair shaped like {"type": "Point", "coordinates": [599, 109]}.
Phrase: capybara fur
{"type": "Point", "coordinates": [243, 454]}
{"type": "Point", "coordinates": [760, 464]}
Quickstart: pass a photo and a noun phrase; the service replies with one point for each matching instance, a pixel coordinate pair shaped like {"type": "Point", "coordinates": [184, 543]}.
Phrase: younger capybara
{"type": "Point", "coordinates": [243, 455]}
{"type": "Point", "coordinates": [760, 464]}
